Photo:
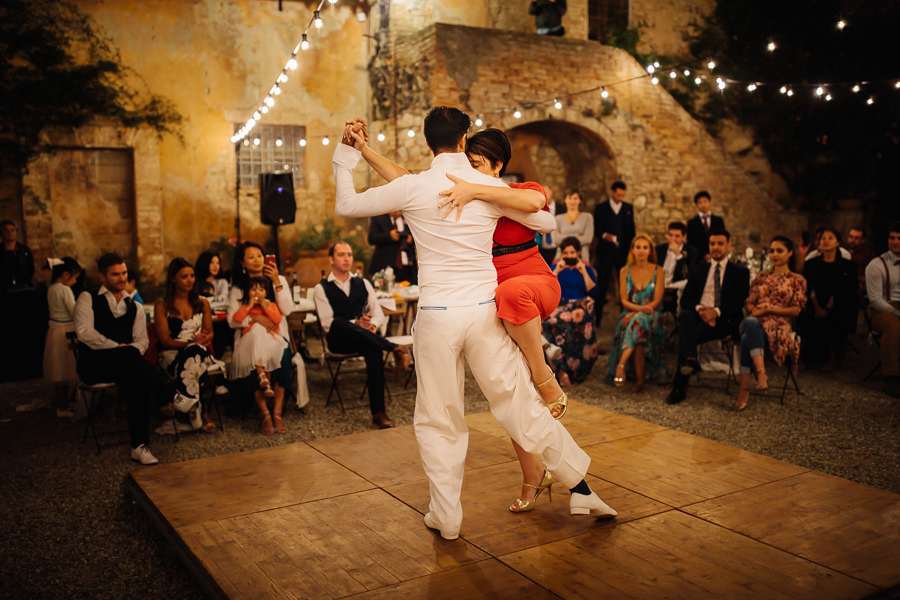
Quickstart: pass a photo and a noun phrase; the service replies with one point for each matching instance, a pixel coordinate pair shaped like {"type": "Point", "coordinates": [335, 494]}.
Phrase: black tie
{"type": "Point", "coordinates": [706, 223]}
{"type": "Point", "coordinates": [717, 289]}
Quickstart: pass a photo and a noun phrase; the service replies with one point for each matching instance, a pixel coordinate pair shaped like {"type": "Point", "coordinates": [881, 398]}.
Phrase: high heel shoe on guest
{"type": "Point", "coordinates": [562, 401]}
{"type": "Point", "coordinates": [619, 380]}
{"type": "Point", "coordinates": [278, 423]}
{"type": "Point", "coordinates": [266, 385]}
{"type": "Point", "coordinates": [267, 428]}
{"type": "Point", "coordinates": [742, 399]}
{"type": "Point", "coordinates": [520, 505]}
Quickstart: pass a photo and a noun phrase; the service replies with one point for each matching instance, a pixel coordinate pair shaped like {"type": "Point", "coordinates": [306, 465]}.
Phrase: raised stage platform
{"type": "Point", "coordinates": [342, 517]}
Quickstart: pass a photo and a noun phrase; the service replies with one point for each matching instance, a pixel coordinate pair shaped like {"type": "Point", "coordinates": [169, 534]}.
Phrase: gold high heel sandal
{"type": "Point", "coordinates": [562, 401]}
{"type": "Point", "coordinates": [619, 381]}
{"type": "Point", "coordinates": [520, 505]}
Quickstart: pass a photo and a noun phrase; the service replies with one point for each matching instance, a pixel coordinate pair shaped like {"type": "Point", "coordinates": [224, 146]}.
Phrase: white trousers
{"type": "Point", "coordinates": [443, 338]}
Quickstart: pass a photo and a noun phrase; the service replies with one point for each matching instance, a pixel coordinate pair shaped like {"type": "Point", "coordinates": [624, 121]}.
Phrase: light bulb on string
{"type": "Point", "coordinates": [277, 91]}
{"type": "Point", "coordinates": [325, 141]}
{"type": "Point", "coordinates": [687, 72]}
{"type": "Point", "coordinates": [790, 93]}
{"type": "Point", "coordinates": [317, 20]}
{"type": "Point", "coordinates": [651, 69]}
{"type": "Point", "coordinates": [411, 133]}
{"type": "Point", "coordinates": [517, 113]}
{"type": "Point", "coordinates": [603, 93]}
{"type": "Point", "coordinates": [697, 80]}
{"type": "Point", "coordinates": [263, 109]}
{"type": "Point", "coordinates": [292, 64]}
{"type": "Point", "coordinates": [711, 65]}
{"type": "Point", "coordinates": [656, 64]}
{"type": "Point", "coordinates": [332, 1]}
{"type": "Point", "coordinates": [870, 101]}
{"type": "Point", "coordinates": [257, 116]}
{"type": "Point", "coordinates": [304, 43]}
{"type": "Point", "coordinates": [282, 78]}
{"type": "Point", "coordinates": [855, 89]}
{"type": "Point", "coordinates": [279, 142]}
{"type": "Point", "coordinates": [256, 141]}
{"type": "Point", "coordinates": [270, 101]}
{"type": "Point", "coordinates": [246, 142]}
{"type": "Point", "coordinates": [752, 87]}
{"type": "Point", "coordinates": [557, 104]}
{"type": "Point", "coordinates": [897, 85]}
{"type": "Point", "coordinates": [302, 142]}
{"type": "Point", "coordinates": [673, 75]}
{"type": "Point", "coordinates": [820, 90]}
{"type": "Point", "coordinates": [783, 90]}
{"type": "Point", "coordinates": [654, 81]}
{"type": "Point", "coordinates": [841, 24]}
{"type": "Point", "coordinates": [478, 121]}
{"type": "Point", "coordinates": [771, 46]}
{"type": "Point", "coordinates": [380, 136]}
{"type": "Point", "coordinates": [827, 97]}
{"type": "Point", "coordinates": [720, 83]}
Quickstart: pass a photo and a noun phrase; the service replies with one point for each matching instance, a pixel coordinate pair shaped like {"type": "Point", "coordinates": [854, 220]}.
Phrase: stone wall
{"type": "Point", "coordinates": [665, 24]}
{"type": "Point", "coordinates": [640, 134]}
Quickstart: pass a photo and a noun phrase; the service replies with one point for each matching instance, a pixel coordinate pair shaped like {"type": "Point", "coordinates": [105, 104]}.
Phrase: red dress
{"type": "Point", "coordinates": [527, 288]}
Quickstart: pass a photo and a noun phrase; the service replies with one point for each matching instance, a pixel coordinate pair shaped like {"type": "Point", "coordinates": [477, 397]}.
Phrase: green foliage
{"type": "Point", "coordinates": [626, 39]}
{"type": "Point", "coordinates": [60, 72]}
{"type": "Point", "coordinates": [320, 236]}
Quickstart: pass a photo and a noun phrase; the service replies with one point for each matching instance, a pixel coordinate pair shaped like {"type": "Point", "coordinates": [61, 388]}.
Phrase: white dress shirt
{"type": "Point", "coordinates": [326, 313]}
{"type": "Point", "coordinates": [708, 299]}
{"type": "Point", "coordinates": [673, 255]}
{"type": "Point", "coordinates": [876, 280]}
{"type": "Point", "coordinates": [455, 261]}
{"type": "Point", "coordinates": [84, 321]}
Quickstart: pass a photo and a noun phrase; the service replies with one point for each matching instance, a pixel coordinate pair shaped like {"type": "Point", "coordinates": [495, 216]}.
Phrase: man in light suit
{"type": "Point", "coordinates": [712, 308]}
{"type": "Point", "coordinates": [457, 322]}
{"type": "Point", "coordinates": [699, 227]}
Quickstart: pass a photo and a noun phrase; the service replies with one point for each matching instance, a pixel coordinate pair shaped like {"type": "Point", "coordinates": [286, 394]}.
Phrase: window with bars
{"type": "Point", "coordinates": [606, 15]}
{"type": "Point", "coordinates": [269, 149]}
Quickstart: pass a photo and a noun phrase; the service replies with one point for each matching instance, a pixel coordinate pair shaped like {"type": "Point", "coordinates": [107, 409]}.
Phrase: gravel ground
{"type": "Point", "coordinates": [70, 530]}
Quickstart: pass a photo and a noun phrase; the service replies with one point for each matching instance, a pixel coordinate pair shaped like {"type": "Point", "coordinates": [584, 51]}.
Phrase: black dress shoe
{"type": "Point", "coordinates": [677, 394]}
{"type": "Point", "coordinates": [382, 420]}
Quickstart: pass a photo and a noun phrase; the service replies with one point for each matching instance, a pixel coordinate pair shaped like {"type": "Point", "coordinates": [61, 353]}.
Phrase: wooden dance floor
{"type": "Point", "coordinates": [342, 517]}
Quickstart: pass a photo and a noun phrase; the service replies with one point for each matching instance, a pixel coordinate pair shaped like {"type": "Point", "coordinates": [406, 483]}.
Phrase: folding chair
{"type": "Point", "coordinates": [90, 395]}
{"type": "Point", "coordinates": [874, 338]}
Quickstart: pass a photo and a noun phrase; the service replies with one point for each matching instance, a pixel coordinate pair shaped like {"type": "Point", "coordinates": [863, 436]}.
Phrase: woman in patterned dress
{"type": "Point", "coordinates": [640, 333]}
{"type": "Point", "coordinates": [776, 298]}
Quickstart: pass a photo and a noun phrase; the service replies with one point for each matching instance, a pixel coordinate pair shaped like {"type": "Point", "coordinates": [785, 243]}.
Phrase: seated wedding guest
{"type": "Point", "coordinates": [16, 262]}
{"type": "Point", "coordinates": [351, 317]}
{"type": "Point", "coordinates": [215, 288]}
{"type": "Point", "coordinates": [59, 363]}
{"type": "Point", "coordinates": [698, 228]}
{"type": "Point", "coordinates": [833, 303]}
{"type": "Point", "coordinates": [183, 322]}
{"type": "Point", "coordinates": [883, 287]}
{"type": "Point", "coordinates": [677, 257]}
{"type": "Point", "coordinates": [860, 253]}
{"type": "Point", "coordinates": [776, 299]}
{"type": "Point", "coordinates": [572, 325]}
{"type": "Point", "coordinates": [811, 250]}
{"type": "Point", "coordinates": [712, 308]}
{"type": "Point", "coordinates": [250, 262]}
{"type": "Point", "coordinates": [112, 334]}
{"type": "Point", "coordinates": [394, 246]}
{"type": "Point", "coordinates": [640, 332]}
{"type": "Point", "coordinates": [574, 223]}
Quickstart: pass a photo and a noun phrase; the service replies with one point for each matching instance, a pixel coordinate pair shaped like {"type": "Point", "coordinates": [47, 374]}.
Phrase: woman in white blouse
{"type": "Point", "coordinates": [574, 223]}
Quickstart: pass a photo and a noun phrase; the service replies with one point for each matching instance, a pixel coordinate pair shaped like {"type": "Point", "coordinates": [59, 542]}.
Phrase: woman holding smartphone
{"type": "Point", "coordinates": [249, 262]}
{"type": "Point", "coordinates": [571, 325]}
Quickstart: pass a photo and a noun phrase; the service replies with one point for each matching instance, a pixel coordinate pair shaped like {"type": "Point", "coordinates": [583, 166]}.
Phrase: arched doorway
{"type": "Point", "coordinates": [564, 156]}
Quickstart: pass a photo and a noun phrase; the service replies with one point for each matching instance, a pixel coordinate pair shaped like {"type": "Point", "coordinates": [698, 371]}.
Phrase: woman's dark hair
{"type": "Point", "coordinates": [571, 191]}
{"type": "Point", "coordinates": [835, 232]}
{"type": "Point", "coordinates": [69, 265]}
{"type": "Point", "coordinates": [444, 127]}
{"type": "Point", "coordinates": [264, 282]}
{"type": "Point", "coordinates": [175, 266]}
{"type": "Point", "coordinates": [239, 276]}
{"type": "Point", "coordinates": [570, 241]}
{"type": "Point", "coordinates": [493, 145]}
{"type": "Point", "coordinates": [789, 245]}
{"type": "Point", "coordinates": [201, 267]}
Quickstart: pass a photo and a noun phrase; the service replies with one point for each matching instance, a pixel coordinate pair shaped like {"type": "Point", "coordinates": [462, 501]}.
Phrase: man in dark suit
{"type": "Point", "coordinates": [699, 227]}
{"type": "Point", "coordinates": [676, 258]}
{"type": "Point", "coordinates": [712, 308]}
{"type": "Point", "coordinates": [614, 230]}
{"type": "Point", "coordinates": [394, 246]}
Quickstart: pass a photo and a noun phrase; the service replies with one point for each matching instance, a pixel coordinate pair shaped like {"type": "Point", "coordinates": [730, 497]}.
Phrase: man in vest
{"type": "Point", "coordinates": [112, 333]}
{"type": "Point", "coordinates": [883, 286]}
{"type": "Point", "coordinates": [351, 318]}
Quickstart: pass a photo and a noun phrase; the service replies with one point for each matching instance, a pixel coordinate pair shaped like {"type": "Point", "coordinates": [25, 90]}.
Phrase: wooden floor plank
{"type": "Point", "coordinates": [852, 528]}
{"type": "Point", "coordinates": [328, 548]}
{"type": "Point", "coordinates": [484, 580]}
{"type": "Point", "coordinates": [391, 456]}
{"type": "Point", "coordinates": [224, 486]}
{"type": "Point", "coordinates": [679, 469]}
{"type": "Point", "coordinates": [674, 555]}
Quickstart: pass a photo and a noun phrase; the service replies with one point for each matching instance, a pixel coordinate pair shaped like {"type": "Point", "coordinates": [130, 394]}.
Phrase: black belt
{"type": "Point", "coordinates": [501, 250]}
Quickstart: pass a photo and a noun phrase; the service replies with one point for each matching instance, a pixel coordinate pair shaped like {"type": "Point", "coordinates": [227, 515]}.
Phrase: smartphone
{"type": "Point", "coordinates": [271, 260]}
{"type": "Point", "coordinates": [805, 237]}
{"type": "Point", "coordinates": [571, 261]}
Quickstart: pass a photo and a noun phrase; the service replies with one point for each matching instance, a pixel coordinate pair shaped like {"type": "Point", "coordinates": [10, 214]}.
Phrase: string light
{"type": "Point", "coordinates": [783, 89]}
{"type": "Point", "coordinates": [256, 141]}
{"type": "Point", "coordinates": [771, 47]}
{"type": "Point", "coordinates": [410, 133]}
{"type": "Point", "coordinates": [478, 121]}
{"type": "Point", "coordinates": [790, 93]}
{"type": "Point", "coordinates": [651, 69]}
{"type": "Point", "coordinates": [603, 93]}
{"type": "Point", "coordinates": [304, 43]}
{"type": "Point", "coordinates": [654, 81]}
{"type": "Point", "coordinates": [697, 80]}
{"type": "Point", "coordinates": [380, 136]}
{"type": "Point", "coordinates": [279, 143]}
{"type": "Point", "coordinates": [820, 90]}
{"type": "Point", "coordinates": [870, 101]}
{"type": "Point", "coordinates": [687, 72]}
{"type": "Point", "coordinates": [673, 75]}
{"type": "Point", "coordinates": [264, 109]}
{"type": "Point", "coordinates": [332, 1]}
{"type": "Point", "coordinates": [517, 113]}
{"type": "Point", "coordinates": [827, 97]}
{"type": "Point", "coordinates": [855, 89]}
{"type": "Point", "coordinates": [269, 101]}
{"type": "Point", "coordinates": [897, 85]}
{"type": "Point", "coordinates": [292, 64]}
{"type": "Point", "coordinates": [557, 104]}
{"type": "Point", "coordinates": [325, 141]}
{"type": "Point", "coordinates": [302, 142]}
{"type": "Point", "coordinates": [711, 65]}
{"type": "Point", "coordinates": [841, 24]}
{"type": "Point", "coordinates": [751, 87]}
{"type": "Point", "coordinates": [276, 91]}
{"type": "Point", "coordinates": [317, 20]}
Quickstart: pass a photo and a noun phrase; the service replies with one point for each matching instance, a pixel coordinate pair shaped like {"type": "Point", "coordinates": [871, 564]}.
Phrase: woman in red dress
{"type": "Point", "coordinates": [527, 290]}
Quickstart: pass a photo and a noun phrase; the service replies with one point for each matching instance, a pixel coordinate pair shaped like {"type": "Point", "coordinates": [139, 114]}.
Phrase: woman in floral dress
{"type": "Point", "coordinates": [571, 325]}
{"type": "Point", "coordinates": [640, 333]}
{"type": "Point", "coordinates": [183, 321]}
{"type": "Point", "coordinates": [776, 298]}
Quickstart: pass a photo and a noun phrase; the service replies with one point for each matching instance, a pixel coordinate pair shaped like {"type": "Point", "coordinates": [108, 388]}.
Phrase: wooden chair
{"type": "Point", "coordinates": [91, 395]}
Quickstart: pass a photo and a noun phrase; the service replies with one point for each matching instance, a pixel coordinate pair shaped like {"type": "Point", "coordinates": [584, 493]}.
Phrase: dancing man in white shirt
{"type": "Point", "coordinates": [457, 320]}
